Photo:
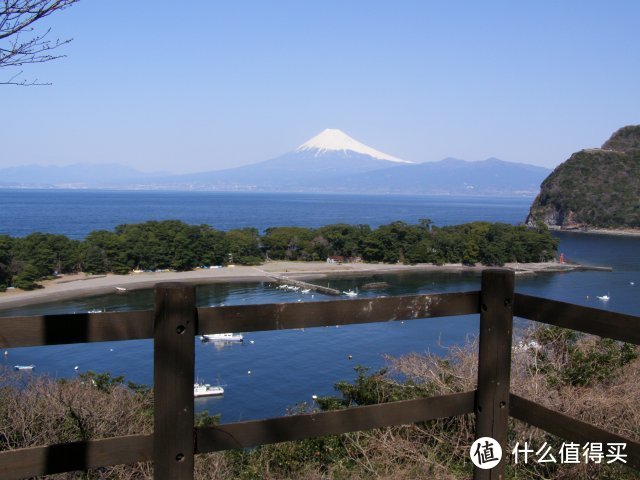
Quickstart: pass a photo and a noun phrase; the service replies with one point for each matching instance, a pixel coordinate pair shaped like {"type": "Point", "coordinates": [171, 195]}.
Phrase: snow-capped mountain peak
{"type": "Point", "coordinates": [333, 139]}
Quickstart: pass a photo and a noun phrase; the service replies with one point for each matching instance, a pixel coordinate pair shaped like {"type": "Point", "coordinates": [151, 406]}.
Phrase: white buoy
{"type": "Point", "coordinates": [6, 353]}
{"type": "Point", "coordinates": [111, 349]}
{"type": "Point", "coordinates": [249, 372]}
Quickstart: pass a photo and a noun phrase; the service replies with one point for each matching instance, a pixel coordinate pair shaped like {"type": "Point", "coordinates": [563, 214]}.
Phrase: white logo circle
{"type": "Point", "coordinates": [485, 453]}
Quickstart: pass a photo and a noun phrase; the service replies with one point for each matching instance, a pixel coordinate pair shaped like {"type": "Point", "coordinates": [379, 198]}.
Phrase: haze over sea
{"type": "Point", "coordinates": [287, 367]}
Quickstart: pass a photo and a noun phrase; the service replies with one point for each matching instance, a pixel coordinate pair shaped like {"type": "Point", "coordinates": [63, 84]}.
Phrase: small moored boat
{"type": "Point", "coordinates": [206, 390]}
{"type": "Point", "coordinates": [24, 367]}
{"type": "Point", "coordinates": [222, 337]}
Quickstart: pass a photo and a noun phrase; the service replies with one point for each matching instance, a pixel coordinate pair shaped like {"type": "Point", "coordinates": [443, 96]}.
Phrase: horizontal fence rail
{"type": "Point", "coordinates": [39, 330]}
{"type": "Point", "coordinates": [603, 323]}
{"type": "Point", "coordinates": [74, 456]}
{"type": "Point", "coordinates": [249, 318]}
{"type": "Point", "coordinates": [298, 427]}
{"type": "Point", "coordinates": [569, 428]}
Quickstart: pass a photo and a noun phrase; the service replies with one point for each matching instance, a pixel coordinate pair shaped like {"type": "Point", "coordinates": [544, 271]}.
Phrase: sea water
{"type": "Point", "coordinates": [77, 212]}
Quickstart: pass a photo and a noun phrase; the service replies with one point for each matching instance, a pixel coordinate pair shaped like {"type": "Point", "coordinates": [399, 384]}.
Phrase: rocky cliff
{"type": "Point", "coordinates": [594, 188]}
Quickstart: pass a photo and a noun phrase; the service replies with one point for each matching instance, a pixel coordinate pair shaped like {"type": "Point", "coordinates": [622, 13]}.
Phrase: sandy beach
{"type": "Point", "coordinates": [624, 232]}
{"type": "Point", "coordinates": [80, 284]}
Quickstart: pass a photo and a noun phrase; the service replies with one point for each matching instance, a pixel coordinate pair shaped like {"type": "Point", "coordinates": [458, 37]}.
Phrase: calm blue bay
{"type": "Point", "coordinates": [287, 367]}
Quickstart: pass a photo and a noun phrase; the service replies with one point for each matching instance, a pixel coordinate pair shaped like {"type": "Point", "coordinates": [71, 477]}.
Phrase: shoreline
{"type": "Point", "coordinates": [79, 285]}
{"type": "Point", "coordinates": [620, 232]}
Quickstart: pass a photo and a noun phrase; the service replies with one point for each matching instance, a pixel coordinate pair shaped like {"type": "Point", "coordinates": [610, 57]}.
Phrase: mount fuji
{"type": "Point", "coordinates": [332, 141]}
{"type": "Point", "coordinates": [325, 157]}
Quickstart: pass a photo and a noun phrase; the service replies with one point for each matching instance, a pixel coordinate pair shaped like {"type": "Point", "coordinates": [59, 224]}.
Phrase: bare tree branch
{"type": "Point", "coordinates": [20, 44]}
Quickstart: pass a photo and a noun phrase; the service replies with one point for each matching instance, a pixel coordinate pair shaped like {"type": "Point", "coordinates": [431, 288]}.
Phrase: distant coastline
{"type": "Point", "coordinates": [82, 285]}
{"type": "Point", "coordinates": [293, 191]}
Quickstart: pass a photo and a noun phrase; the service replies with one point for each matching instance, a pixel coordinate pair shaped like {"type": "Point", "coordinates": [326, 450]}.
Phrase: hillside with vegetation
{"type": "Point", "coordinates": [595, 188]}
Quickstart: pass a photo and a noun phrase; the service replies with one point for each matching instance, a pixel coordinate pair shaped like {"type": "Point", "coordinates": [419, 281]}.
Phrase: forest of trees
{"type": "Point", "coordinates": [174, 245]}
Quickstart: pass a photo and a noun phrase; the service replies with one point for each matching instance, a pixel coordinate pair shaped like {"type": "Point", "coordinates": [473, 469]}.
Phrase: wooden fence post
{"type": "Point", "coordinates": [173, 371]}
{"type": "Point", "coordinates": [494, 363]}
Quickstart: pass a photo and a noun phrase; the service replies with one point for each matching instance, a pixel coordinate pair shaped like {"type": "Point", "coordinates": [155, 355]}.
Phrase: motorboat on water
{"type": "Point", "coordinates": [24, 367]}
{"type": "Point", "coordinates": [222, 337]}
{"type": "Point", "coordinates": [206, 390]}
{"type": "Point", "coordinates": [350, 293]}
{"type": "Point", "coordinates": [604, 298]}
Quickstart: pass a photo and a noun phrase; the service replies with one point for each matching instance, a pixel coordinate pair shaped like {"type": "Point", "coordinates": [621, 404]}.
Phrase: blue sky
{"type": "Point", "coordinates": [194, 86]}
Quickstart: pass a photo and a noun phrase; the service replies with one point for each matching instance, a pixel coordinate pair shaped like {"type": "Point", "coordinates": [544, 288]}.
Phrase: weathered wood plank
{"type": "Point", "coordinates": [111, 326]}
{"type": "Point", "coordinates": [297, 427]}
{"type": "Point", "coordinates": [75, 328]}
{"type": "Point", "coordinates": [247, 318]}
{"type": "Point", "coordinates": [37, 461]}
{"type": "Point", "coordinates": [494, 362]}
{"type": "Point", "coordinates": [173, 374]}
{"type": "Point", "coordinates": [570, 428]}
{"type": "Point", "coordinates": [617, 326]}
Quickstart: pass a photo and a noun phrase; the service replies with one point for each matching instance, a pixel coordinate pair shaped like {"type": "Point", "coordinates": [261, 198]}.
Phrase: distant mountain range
{"type": "Point", "coordinates": [77, 175]}
{"type": "Point", "coordinates": [329, 162]}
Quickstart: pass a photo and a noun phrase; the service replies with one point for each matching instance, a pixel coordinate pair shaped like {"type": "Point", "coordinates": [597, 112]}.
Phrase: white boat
{"type": "Point", "coordinates": [350, 293]}
{"type": "Point", "coordinates": [206, 390]}
{"type": "Point", "coordinates": [222, 337]}
{"type": "Point", "coordinates": [24, 367]}
{"type": "Point", "coordinates": [604, 298]}
{"type": "Point", "coordinates": [121, 289]}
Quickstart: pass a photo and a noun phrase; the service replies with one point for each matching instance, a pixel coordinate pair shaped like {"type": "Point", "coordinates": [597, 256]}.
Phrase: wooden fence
{"type": "Point", "coordinates": [176, 320]}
